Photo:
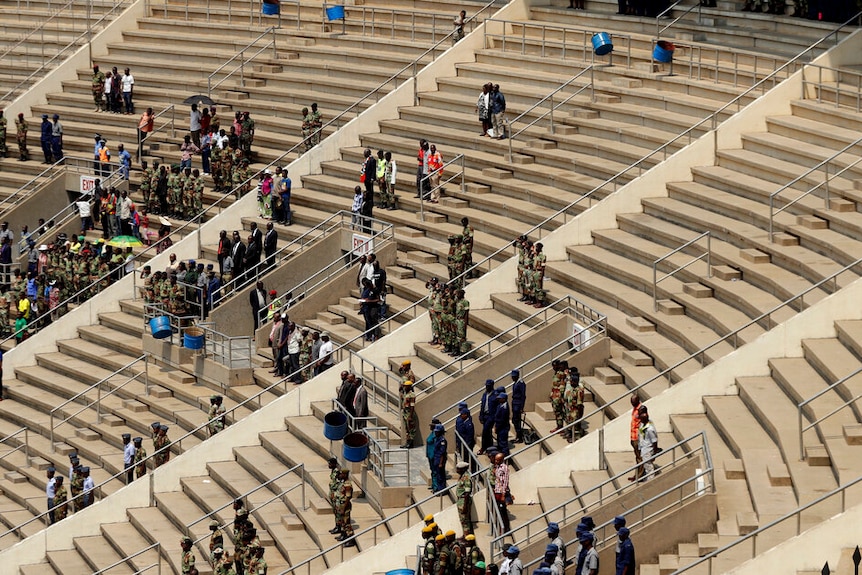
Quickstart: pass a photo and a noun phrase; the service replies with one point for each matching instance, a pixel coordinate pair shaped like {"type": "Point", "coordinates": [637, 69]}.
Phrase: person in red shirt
{"type": "Point", "coordinates": [635, 424]}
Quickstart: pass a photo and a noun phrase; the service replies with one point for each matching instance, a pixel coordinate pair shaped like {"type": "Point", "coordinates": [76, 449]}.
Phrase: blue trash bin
{"type": "Point", "coordinates": [335, 13]}
{"type": "Point", "coordinates": [355, 447]}
{"type": "Point", "coordinates": [334, 426]}
{"type": "Point", "coordinates": [602, 44]}
{"type": "Point", "coordinates": [401, 572]}
{"type": "Point", "coordinates": [663, 52]}
{"type": "Point", "coordinates": [193, 338]}
{"type": "Point", "coordinates": [160, 327]}
{"type": "Point", "coordinates": [270, 9]}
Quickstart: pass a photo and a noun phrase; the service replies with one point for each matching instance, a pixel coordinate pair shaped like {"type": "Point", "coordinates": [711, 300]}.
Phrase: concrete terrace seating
{"type": "Point", "coordinates": [754, 442]}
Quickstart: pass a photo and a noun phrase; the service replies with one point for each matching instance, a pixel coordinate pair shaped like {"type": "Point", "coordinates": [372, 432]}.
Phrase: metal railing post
{"type": "Point", "coordinates": [27, 445]}
{"type": "Point", "coordinates": [147, 374]}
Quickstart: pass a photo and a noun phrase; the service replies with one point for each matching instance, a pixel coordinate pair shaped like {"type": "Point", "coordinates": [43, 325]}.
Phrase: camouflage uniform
{"type": "Point", "coordinates": [162, 441]}
{"type": "Point", "coordinates": [436, 306]}
{"type": "Point", "coordinates": [305, 357]}
{"type": "Point", "coordinates": [537, 291]}
{"type": "Point", "coordinates": [306, 130]}
{"type": "Point", "coordinates": [60, 503]}
{"type": "Point", "coordinates": [386, 188]}
{"type": "Point", "coordinates": [557, 398]}
{"type": "Point", "coordinates": [216, 417]}
{"type": "Point", "coordinates": [76, 486]}
{"type": "Point", "coordinates": [408, 414]}
{"type": "Point", "coordinates": [464, 502]}
{"type": "Point", "coordinates": [467, 243]}
{"type": "Point", "coordinates": [21, 137]}
{"type": "Point", "coordinates": [98, 89]}
{"type": "Point", "coordinates": [316, 125]}
{"type": "Point", "coordinates": [442, 564]}
{"type": "Point", "coordinates": [429, 552]}
{"type": "Point", "coordinates": [462, 315]}
{"type": "Point", "coordinates": [343, 504]}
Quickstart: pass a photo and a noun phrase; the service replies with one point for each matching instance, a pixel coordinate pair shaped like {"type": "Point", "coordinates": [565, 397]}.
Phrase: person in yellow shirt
{"type": "Point", "coordinates": [23, 307]}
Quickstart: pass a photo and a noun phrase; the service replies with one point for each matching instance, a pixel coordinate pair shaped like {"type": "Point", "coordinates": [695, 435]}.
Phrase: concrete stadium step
{"type": "Point", "coordinates": [127, 541]}
{"type": "Point", "coordinates": [840, 118]}
{"type": "Point", "coordinates": [155, 526]}
{"type": "Point", "coordinates": [67, 562]}
{"type": "Point", "coordinates": [98, 555]}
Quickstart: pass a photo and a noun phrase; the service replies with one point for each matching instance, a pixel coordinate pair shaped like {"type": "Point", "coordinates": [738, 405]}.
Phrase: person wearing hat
{"type": "Point", "coordinates": [625, 559]}
{"type": "Point", "coordinates": [464, 498]}
{"type": "Point", "coordinates": [21, 137]}
{"type": "Point", "coordinates": [648, 443]}
{"type": "Point", "coordinates": [501, 422]}
{"type": "Point", "coordinates": [216, 415]}
{"type": "Point", "coordinates": [465, 435]}
{"type": "Point", "coordinates": [87, 494]}
{"type": "Point", "coordinates": [408, 414]}
{"type": "Point", "coordinates": [443, 561]}
{"type": "Point", "coordinates": [76, 484]}
{"type": "Point", "coordinates": [556, 539]}
{"type": "Point", "coordinates": [216, 539]}
{"type": "Point", "coordinates": [519, 401]}
{"type": "Point", "coordinates": [334, 485]}
{"type": "Point", "coordinates": [162, 447]}
{"type": "Point", "coordinates": [61, 497]}
{"type": "Point", "coordinates": [552, 561]}
{"type": "Point", "coordinates": [325, 361]}
{"type": "Point", "coordinates": [222, 562]}
{"type": "Point", "coordinates": [516, 566]}
{"type": "Point", "coordinates": [343, 506]}
{"type": "Point", "coordinates": [591, 557]}
{"type": "Point", "coordinates": [473, 555]}
{"type": "Point", "coordinates": [140, 458]}
{"type": "Point", "coordinates": [188, 557]}
{"type": "Point", "coordinates": [405, 372]}
{"type": "Point", "coordinates": [45, 139]}
{"type": "Point", "coordinates": [487, 410]}
{"type": "Point", "coordinates": [619, 522]}
{"type": "Point", "coordinates": [438, 468]}
{"type": "Point", "coordinates": [429, 550]}
{"type": "Point", "coordinates": [479, 568]}
{"type": "Point", "coordinates": [128, 457]}
{"type": "Point", "coordinates": [257, 564]}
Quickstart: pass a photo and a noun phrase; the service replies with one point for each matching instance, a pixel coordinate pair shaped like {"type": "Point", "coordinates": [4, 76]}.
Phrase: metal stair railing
{"type": "Point", "coordinates": [558, 350]}
{"type": "Point", "coordinates": [382, 456]}
{"type": "Point", "coordinates": [666, 14]}
{"type": "Point", "coordinates": [157, 565]}
{"type": "Point", "coordinates": [605, 490]}
{"type": "Point", "coordinates": [231, 12]}
{"type": "Point", "coordinates": [99, 395]}
{"type": "Point", "coordinates": [552, 107]}
{"type": "Point", "coordinates": [232, 351]}
{"type": "Point", "coordinates": [20, 447]}
{"type": "Point", "coordinates": [839, 73]}
{"type": "Point", "coordinates": [585, 46]}
{"type": "Point", "coordinates": [354, 423]}
{"type": "Point", "coordinates": [801, 406]}
{"type": "Point", "coordinates": [825, 183]}
{"type": "Point", "coordinates": [704, 256]}
{"type": "Point", "coordinates": [187, 528]}
{"type": "Point", "coordinates": [243, 60]}
{"type": "Point", "coordinates": [795, 516]}
{"type": "Point", "coordinates": [727, 338]}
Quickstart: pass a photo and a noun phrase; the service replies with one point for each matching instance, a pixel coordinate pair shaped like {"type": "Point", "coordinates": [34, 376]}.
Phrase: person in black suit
{"type": "Point", "coordinates": [257, 299]}
{"type": "Point", "coordinates": [270, 242]}
{"type": "Point", "coordinates": [237, 254]}
{"type": "Point", "coordinates": [256, 234]}
{"type": "Point", "coordinates": [252, 258]}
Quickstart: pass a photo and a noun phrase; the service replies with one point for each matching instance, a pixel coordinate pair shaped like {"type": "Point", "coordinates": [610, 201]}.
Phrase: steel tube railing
{"type": "Point", "coordinates": [243, 60]}
{"type": "Point", "coordinates": [801, 406]}
{"type": "Point", "coordinates": [157, 546]}
{"type": "Point", "coordinates": [460, 159]}
{"type": "Point", "coordinates": [707, 256]}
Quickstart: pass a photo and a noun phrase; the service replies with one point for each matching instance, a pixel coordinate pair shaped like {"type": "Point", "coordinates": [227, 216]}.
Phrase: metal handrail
{"type": "Point", "coordinates": [417, 507]}
{"type": "Point", "coordinates": [585, 33]}
{"type": "Point", "coordinates": [707, 255]}
{"type": "Point", "coordinates": [460, 158]}
{"type": "Point", "coordinates": [663, 13]}
{"type": "Point", "coordinates": [308, 238]}
{"type": "Point", "coordinates": [616, 490]}
{"type": "Point", "coordinates": [352, 419]}
{"type": "Point", "coordinates": [314, 281]}
{"type": "Point", "coordinates": [797, 513]}
{"type": "Point", "coordinates": [823, 418]}
{"type": "Point", "coordinates": [25, 445]}
{"type": "Point", "coordinates": [553, 107]}
{"type": "Point", "coordinates": [157, 545]}
{"type": "Point", "coordinates": [379, 454]}
{"type": "Point", "coordinates": [88, 33]}
{"type": "Point", "coordinates": [217, 339]}
{"type": "Point", "coordinates": [825, 165]}
{"type": "Point", "coordinates": [668, 372]}
{"type": "Point", "coordinates": [98, 387]}
{"type": "Point", "coordinates": [565, 342]}
{"type": "Point", "coordinates": [638, 515]}
{"type": "Point", "coordinates": [188, 526]}
{"type": "Point", "coordinates": [243, 60]}
{"type": "Point", "coordinates": [445, 18]}
{"type": "Point", "coordinates": [857, 93]}
{"type": "Point", "coordinates": [41, 29]}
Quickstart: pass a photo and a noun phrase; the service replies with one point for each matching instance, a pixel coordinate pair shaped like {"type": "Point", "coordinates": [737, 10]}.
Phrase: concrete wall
{"type": "Point", "coordinates": [233, 316]}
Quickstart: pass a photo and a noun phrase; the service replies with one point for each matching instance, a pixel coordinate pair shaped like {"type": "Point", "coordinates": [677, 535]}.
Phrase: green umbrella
{"type": "Point", "coordinates": [125, 242]}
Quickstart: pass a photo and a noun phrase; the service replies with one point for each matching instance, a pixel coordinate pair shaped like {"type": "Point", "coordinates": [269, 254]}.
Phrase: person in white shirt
{"type": "Point", "coordinates": [325, 361]}
{"type": "Point", "coordinates": [591, 561]}
{"type": "Point", "coordinates": [50, 492]}
{"type": "Point", "coordinates": [128, 457]}
{"type": "Point", "coordinates": [128, 82]}
{"type": "Point", "coordinates": [88, 487]}
{"type": "Point", "coordinates": [516, 567]}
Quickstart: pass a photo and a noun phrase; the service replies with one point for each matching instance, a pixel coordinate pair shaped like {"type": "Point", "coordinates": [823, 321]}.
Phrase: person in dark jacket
{"type": "Point", "coordinates": [369, 170]}
{"type": "Point", "coordinates": [237, 256]}
{"type": "Point", "coordinates": [501, 423]}
{"type": "Point", "coordinates": [270, 243]}
{"type": "Point", "coordinates": [45, 138]}
{"type": "Point", "coordinates": [519, 400]}
{"type": "Point", "coordinates": [487, 410]}
{"type": "Point", "coordinates": [257, 299]}
{"type": "Point", "coordinates": [366, 210]}
{"type": "Point", "coordinates": [252, 258]}
{"type": "Point", "coordinates": [465, 441]}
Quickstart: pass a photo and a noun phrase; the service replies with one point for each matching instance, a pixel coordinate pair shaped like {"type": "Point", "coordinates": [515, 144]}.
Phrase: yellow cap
{"type": "Point", "coordinates": [407, 383]}
{"type": "Point", "coordinates": [450, 533]}
{"type": "Point", "coordinates": [427, 529]}
{"type": "Point", "coordinates": [440, 538]}
{"type": "Point", "coordinates": [432, 525]}
{"type": "Point", "coordinates": [405, 363]}
{"type": "Point", "coordinates": [429, 519]}
{"type": "Point", "coordinates": [470, 537]}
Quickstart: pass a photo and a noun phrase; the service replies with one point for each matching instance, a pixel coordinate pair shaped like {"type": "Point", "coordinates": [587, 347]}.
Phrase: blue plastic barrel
{"type": "Point", "coordinates": [334, 426]}
{"type": "Point", "coordinates": [335, 13]}
{"type": "Point", "coordinates": [663, 52]}
{"type": "Point", "coordinates": [602, 44]}
{"type": "Point", "coordinates": [270, 9]}
{"type": "Point", "coordinates": [160, 327]}
{"type": "Point", "coordinates": [401, 572]}
{"type": "Point", "coordinates": [355, 447]}
{"type": "Point", "coordinates": [193, 338]}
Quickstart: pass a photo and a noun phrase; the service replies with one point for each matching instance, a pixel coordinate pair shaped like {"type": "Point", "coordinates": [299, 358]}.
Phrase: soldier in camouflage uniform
{"type": "Point", "coordinates": [453, 256]}
{"type": "Point", "coordinates": [246, 137]}
{"type": "Point", "coordinates": [98, 87]}
{"type": "Point", "coordinates": [429, 550]}
{"type": "Point", "coordinates": [216, 415]}
{"type": "Point", "coordinates": [467, 235]}
{"type": "Point", "coordinates": [174, 191]}
{"type": "Point", "coordinates": [334, 469]}
{"type": "Point", "coordinates": [241, 175]}
{"type": "Point", "coordinates": [140, 458]}
{"type": "Point", "coordinates": [76, 486]}
{"type": "Point", "coordinates": [537, 277]}
{"type": "Point", "coordinates": [197, 194]}
{"type": "Point", "coordinates": [216, 540]}
{"type": "Point", "coordinates": [257, 565]}
{"type": "Point", "coordinates": [161, 442]}
{"type": "Point", "coordinates": [222, 563]}
{"type": "Point", "coordinates": [464, 498]}
{"type": "Point", "coordinates": [443, 560]}
{"type": "Point", "coordinates": [216, 153]}
{"type": "Point", "coordinates": [574, 399]}
{"type": "Point", "coordinates": [306, 129]}
{"type": "Point", "coordinates": [188, 558]}
{"type": "Point", "coordinates": [21, 137]}
{"type": "Point", "coordinates": [520, 246]}
{"type": "Point", "coordinates": [473, 554]}
{"type": "Point", "coordinates": [556, 396]}
{"type": "Point", "coordinates": [408, 413]}
{"type": "Point", "coordinates": [316, 124]}
{"type": "Point", "coordinates": [448, 321]}
{"type": "Point", "coordinates": [187, 193]}
{"type": "Point", "coordinates": [435, 309]}
{"type": "Point", "coordinates": [146, 179]}
{"type": "Point", "coordinates": [61, 507]}
{"type": "Point", "coordinates": [528, 272]}
{"type": "Point", "coordinates": [462, 317]}
{"type": "Point", "coordinates": [343, 507]}
{"type": "Point", "coordinates": [305, 346]}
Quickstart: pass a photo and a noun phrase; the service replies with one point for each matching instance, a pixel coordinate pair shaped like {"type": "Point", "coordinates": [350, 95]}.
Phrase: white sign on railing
{"type": "Point", "coordinates": [362, 245]}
